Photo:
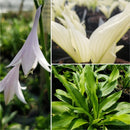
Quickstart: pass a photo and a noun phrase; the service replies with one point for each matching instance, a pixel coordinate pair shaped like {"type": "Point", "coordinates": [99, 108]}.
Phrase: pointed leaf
{"type": "Point", "coordinates": [77, 123]}
{"type": "Point", "coordinates": [108, 88]}
{"type": "Point", "coordinates": [114, 75]}
{"type": "Point", "coordinates": [109, 101]}
{"type": "Point", "coordinates": [91, 88]}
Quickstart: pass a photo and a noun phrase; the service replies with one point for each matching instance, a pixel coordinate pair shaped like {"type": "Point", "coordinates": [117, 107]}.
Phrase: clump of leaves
{"type": "Point", "coordinates": [89, 102]}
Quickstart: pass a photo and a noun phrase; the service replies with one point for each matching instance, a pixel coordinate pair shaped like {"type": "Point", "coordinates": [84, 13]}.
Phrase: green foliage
{"type": "Point", "coordinates": [89, 101]}
{"type": "Point", "coordinates": [14, 32]}
{"type": "Point", "coordinates": [42, 122]}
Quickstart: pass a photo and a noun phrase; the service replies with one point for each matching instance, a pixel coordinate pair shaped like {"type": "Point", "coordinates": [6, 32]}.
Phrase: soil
{"type": "Point", "coordinates": [91, 22]}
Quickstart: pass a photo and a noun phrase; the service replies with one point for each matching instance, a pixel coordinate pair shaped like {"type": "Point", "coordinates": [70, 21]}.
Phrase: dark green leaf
{"type": "Point", "coordinates": [77, 123]}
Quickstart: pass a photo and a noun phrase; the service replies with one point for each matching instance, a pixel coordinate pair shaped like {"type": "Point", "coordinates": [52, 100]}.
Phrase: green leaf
{"type": "Point", "coordinates": [76, 79]}
{"type": "Point", "coordinates": [62, 120]}
{"type": "Point", "coordinates": [82, 82]}
{"type": "Point", "coordinates": [59, 107]}
{"type": "Point", "coordinates": [77, 123]}
{"type": "Point", "coordinates": [91, 89]}
{"type": "Point", "coordinates": [77, 97]}
{"type": "Point", "coordinates": [122, 108]}
{"type": "Point", "coordinates": [118, 108]}
{"type": "Point", "coordinates": [108, 88]}
{"type": "Point", "coordinates": [102, 76]}
{"type": "Point", "coordinates": [63, 96]}
{"type": "Point", "coordinates": [123, 118]}
{"type": "Point", "coordinates": [109, 101]}
{"type": "Point", "coordinates": [114, 122]}
{"type": "Point", "coordinates": [71, 88]}
{"type": "Point", "coordinates": [6, 119]}
{"type": "Point", "coordinates": [101, 68]}
{"type": "Point", "coordinates": [114, 75]}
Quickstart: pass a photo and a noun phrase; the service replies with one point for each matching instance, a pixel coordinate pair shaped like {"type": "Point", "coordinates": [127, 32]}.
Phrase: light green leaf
{"type": "Point", "coordinates": [101, 68]}
{"type": "Point", "coordinates": [6, 119]}
{"type": "Point", "coordinates": [124, 118]}
{"type": "Point", "coordinates": [59, 107]}
{"type": "Point", "coordinates": [109, 101]}
{"type": "Point", "coordinates": [108, 88]}
{"type": "Point", "coordinates": [76, 79]}
{"type": "Point", "coordinates": [114, 75]}
{"type": "Point", "coordinates": [63, 96]}
{"type": "Point", "coordinates": [82, 82]}
{"type": "Point", "coordinates": [122, 108]}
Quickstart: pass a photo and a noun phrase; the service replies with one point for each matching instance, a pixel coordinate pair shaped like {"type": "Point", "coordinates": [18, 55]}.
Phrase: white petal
{"type": "Point", "coordinates": [28, 59]}
{"type": "Point", "coordinates": [40, 57]}
{"type": "Point", "coordinates": [10, 82]}
{"type": "Point", "coordinates": [109, 56]}
{"type": "Point", "coordinates": [118, 48]}
{"type": "Point", "coordinates": [34, 64]}
{"type": "Point", "coordinates": [9, 92]}
{"type": "Point", "coordinates": [17, 59]}
{"type": "Point", "coordinates": [20, 94]}
{"type": "Point", "coordinates": [37, 18]}
{"type": "Point", "coordinates": [23, 88]}
{"type": "Point", "coordinates": [61, 36]}
{"type": "Point", "coordinates": [81, 45]}
{"type": "Point", "coordinates": [109, 33]}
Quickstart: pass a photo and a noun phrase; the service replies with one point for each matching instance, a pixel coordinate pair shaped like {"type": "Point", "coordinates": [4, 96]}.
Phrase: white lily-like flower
{"type": "Point", "coordinates": [101, 47]}
{"type": "Point", "coordinates": [72, 42]}
{"type": "Point", "coordinates": [10, 85]}
{"type": "Point", "coordinates": [30, 54]}
{"type": "Point", "coordinates": [105, 37]}
{"type": "Point", "coordinates": [71, 20]}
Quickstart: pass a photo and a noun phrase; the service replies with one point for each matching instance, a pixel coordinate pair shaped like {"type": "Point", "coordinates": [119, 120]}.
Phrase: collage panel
{"type": "Point", "coordinates": [25, 64]}
{"type": "Point", "coordinates": [90, 31]}
{"type": "Point", "coordinates": [90, 97]}
{"type": "Point", "coordinates": [65, 65]}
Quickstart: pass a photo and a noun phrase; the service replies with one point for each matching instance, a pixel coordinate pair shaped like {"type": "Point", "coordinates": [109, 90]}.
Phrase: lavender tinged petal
{"type": "Point", "coordinates": [10, 85]}
{"type": "Point", "coordinates": [34, 64]}
{"type": "Point", "coordinates": [17, 59]}
{"type": "Point", "coordinates": [28, 60]}
{"type": "Point", "coordinates": [38, 52]}
{"type": "Point", "coordinates": [20, 94]}
{"type": "Point", "coordinates": [37, 17]}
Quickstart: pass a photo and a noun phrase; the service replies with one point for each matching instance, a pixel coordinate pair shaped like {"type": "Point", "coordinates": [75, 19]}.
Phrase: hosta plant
{"type": "Point", "coordinates": [87, 102]}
